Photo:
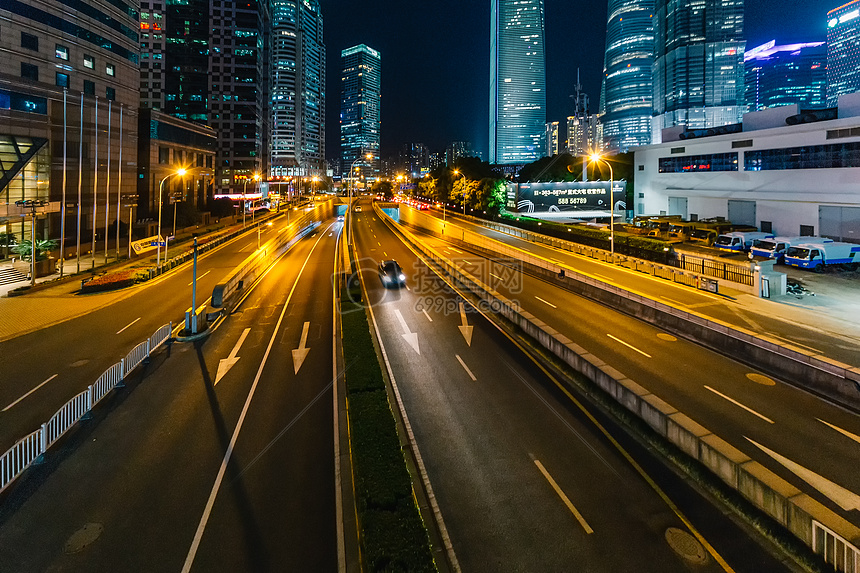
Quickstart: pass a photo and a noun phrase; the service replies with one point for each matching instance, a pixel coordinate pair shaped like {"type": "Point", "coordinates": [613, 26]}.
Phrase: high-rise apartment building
{"type": "Point", "coordinates": [69, 94]}
{"type": "Point", "coordinates": [517, 81]}
{"type": "Point", "coordinates": [298, 89]}
{"type": "Point", "coordinates": [551, 139]}
{"type": "Point", "coordinates": [698, 68]}
{"type": "Point", "coordinates": [458, 149]}
{"type": "Point", "coordinates": [785, 75]}
{"type": "Point", "coordinates": [414, 159]}
{"type": "Point", "coordinates": [584, 135]}
{"type": "Point", "coordinates": [360, 120]}
{"type": "Point", "coordinates": [627, 94]}
{"type": "Point", "coordinates": [843, 51]}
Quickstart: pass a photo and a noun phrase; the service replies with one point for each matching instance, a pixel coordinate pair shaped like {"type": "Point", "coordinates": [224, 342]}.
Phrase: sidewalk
{"type": "Point", "coordinates": [54, 303]}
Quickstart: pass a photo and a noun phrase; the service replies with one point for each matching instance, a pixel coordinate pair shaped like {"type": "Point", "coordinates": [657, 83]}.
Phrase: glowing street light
{"type": "Point", "coordinates": [180, 172]}
{"type": "Point", "coordinates": [597, 158]}
{"type": "Point", "coordinates": [461, 174]}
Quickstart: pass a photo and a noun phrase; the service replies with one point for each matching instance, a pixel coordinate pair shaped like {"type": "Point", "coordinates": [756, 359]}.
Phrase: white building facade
{"type": "Point", "coordinates": [801, 179]}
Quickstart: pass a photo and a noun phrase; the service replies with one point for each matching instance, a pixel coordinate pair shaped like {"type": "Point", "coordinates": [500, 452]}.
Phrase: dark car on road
{"type": "Point", "coordinates": [391, 274]}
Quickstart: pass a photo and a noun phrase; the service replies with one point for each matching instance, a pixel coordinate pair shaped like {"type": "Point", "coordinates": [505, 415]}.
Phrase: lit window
{"type": "Point", "coordinates": [110, 69]}
{"type": "Point", "coordinates": [62, 52]}
{"type": "Point", "coordinates": [89, 62]}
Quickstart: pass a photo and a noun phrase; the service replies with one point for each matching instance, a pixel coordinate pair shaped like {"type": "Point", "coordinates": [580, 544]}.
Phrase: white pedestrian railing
{"type": "Point", "coordinates": [836, 551]}
{"type": "Point", "coordinates": [32, 447]}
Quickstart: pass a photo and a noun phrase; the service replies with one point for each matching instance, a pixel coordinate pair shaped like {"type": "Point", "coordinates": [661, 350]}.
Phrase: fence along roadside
{"type": "Point", "coordinates": [31, 448]}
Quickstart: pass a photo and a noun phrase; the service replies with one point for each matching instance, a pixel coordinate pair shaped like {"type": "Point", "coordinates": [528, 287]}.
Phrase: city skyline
{"type": "Point", "coordinates": [435, 114]}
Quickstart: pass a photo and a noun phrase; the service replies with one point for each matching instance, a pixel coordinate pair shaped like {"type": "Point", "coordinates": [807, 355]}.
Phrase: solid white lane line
{"type": "Point", "coordinates": [738, 404]}
{"type": "Point", "coordinates": [427, 315]}
{"type": "Point", "coordinates": [629, 346]}
{"type": "Point", "coordinates": [466, 368]}
{"type": "Point", "coordinates": [564, 498]}
{"type": "Point", "coordinates": [546, 302]}
{"type": "Point", "coordinates": [30, 392]}
{"type": "Point", "coordinates": [210, 503]}
{"type": "Point", "coordinates": [128, 326]}
{"type": "Point", "coordinates": [845, 433]}
{"type": "Point", "coordinates": [200, 277]}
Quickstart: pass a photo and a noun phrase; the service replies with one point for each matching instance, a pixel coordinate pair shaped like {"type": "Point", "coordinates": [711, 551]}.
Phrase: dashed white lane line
{"type": "Point", "coordinates": [564, 497]}
{"type": "Point", "coordinates": [30, 392]}
{"type": "Point", "coordinates": [496, 276]}
{"type": "Point", "coordinates": [129, 326]}
{"type": "Point", "coordinates": [604, 277]}
{"type": "Point", "coordinates": [546, 302]}
{"type": "Point", "coordinates": [466, 368]}
{"type": "Point", "coordinates": [455, 250]}
{"type": "Point", "coordinates": [845, 433]}
{"type": "Point", "coordinates": [739, 405]}
{"type": "Point", "coordinates": [427, 315]}
{"type": "Point", "coordinates": [673, 301]}
{"type": "Point", "coordinates": [200, 277]}
{"type": "Point", "coordinates": [630, 346]}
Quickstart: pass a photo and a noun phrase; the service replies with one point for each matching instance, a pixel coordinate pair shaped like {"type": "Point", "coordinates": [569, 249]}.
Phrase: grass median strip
{"type": "Point", "coordinates": [392, 534]}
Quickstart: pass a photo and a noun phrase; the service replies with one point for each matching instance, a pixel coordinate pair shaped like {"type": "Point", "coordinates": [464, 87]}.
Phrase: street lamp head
{"type": "Point", "coordinates": [181, 171]}
{"type": "Point", "coordinates": [257, 177]}
{"type": "Point", "coordinates": [595, 157]}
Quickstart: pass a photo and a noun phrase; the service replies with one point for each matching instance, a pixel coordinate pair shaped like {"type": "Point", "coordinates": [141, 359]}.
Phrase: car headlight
{"type": "Point", "coordinates": [402, 277]}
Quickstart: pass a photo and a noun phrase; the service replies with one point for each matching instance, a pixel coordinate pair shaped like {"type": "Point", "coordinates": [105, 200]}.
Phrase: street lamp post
{"type": "Point", "coordinates": [463, 175]}
{"type": "Point", "coordinates": [367, 156]}
{"type": "Point", "coordinates": [179, 172]}
{"type": "Point", "coordinates": [596, 158]}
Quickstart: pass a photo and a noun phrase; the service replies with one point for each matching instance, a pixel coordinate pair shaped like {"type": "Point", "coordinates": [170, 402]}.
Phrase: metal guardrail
{"type": "Point", "coordinates": [836, 550]}
{"type": "Point", "coordinates": [718, 269]}
{"type": "Point", "coordinates": [32, 447]}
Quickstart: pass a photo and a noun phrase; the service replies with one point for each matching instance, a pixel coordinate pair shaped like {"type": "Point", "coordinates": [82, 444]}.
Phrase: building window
{"type": "Point", "coordinates": [699, 163]}
{"type": "Point", "coordinates": [62, 52]}
{"type": "Point", "coordinates": [110, 93]}
{"type": "Point", "coordinates": [766, 226]}
{"type": "Point", "coordinates": [29, 41]}
{"type": "Point", "coordinates": [110, 69]}
{"type": "Point", "coordinates": [742, 143]}
{"type": "Point", "coordinates": [62, 80]}
{"type": "Point", "coordinates": [89, 62]}
{"type": "Point", "coordinates": [30, 72]}
{"type": "Point", "coordinates": [163, 155]}
{"type": "Point", "coordinates": [807, 231]}
{"type": "Point", "coordinates": [829, 156]}
{"type": "Point", "coordinates": [641, 168]}
{"type": "Point", "coordinates": [89, 88]}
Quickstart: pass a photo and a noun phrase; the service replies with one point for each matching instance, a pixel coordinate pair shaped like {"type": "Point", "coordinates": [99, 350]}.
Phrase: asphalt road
{"type": "Point", "coordinates": [524, 479]}
{"type": "Point", "coordinates": [41, 370]}
{"type": "Point", "coordinates": [771, 421]}
{"type": "Point", "coordinates": [191, 471]}
{"type": "Point", "coordinates": [763, 319]}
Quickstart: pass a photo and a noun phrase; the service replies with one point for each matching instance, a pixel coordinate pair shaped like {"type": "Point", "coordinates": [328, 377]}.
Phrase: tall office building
{"type": "Point", "coordinates": [698, 68]}
{"type": "Point", "coordinates": [183, 69]}
{"type": "Point", "coordinates": [551, 139]}
{"type": "Point", "coordinates": [843, 51]}
{"type": "Point", "coordinates": [360, 120]}
{"type": "Point", "coordinates": [517, 81]}
{"type": "Point", "coordinates": [584, 134]}
{"type": "Point", "coordinates": [414, 159]}
{"type": "Point", "coordinates": [627, 94]}
{"type": "Point", "coordinates": [785, 75]}
{"type": "Point", "coordinates": [298, 89]}
{"type": "Point", "coordinates": [69, 75]}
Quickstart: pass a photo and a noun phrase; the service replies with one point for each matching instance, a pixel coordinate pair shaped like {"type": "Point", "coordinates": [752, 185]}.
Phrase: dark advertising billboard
{"type": "Point", "coordinates": [591, 196]}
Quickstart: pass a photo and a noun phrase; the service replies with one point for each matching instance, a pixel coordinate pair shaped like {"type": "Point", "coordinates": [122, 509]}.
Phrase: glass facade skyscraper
{"type": "Point", "coordinates": [626, 97]}
{"type": "Point", "coordinates": [360, 120]}
{"type": "Point", "coordinates": [298, 89]}
{"type": "Point", "coordinates": [517, 81]}
{"type": "Point", "coordinates": [843, 51]}
{"type": "Point", "coordinates": [785, 75]}
{"type": "Point", "coordinates": [699, 65]}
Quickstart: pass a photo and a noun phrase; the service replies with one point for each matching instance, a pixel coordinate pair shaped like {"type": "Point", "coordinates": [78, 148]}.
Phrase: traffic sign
{"type": "Point", "coordinates": [158, 244]}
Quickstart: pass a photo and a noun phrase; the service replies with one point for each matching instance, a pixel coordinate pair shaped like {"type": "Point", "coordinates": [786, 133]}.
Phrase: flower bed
{"type": "Point", "coordinates": [116, 280]}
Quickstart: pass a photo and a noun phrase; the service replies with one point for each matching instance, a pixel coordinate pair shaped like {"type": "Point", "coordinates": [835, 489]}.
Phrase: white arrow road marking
{"type": "Point", "coordinates": [410, 337]}
{"type": "Point", "coordinates": [465, 329]}
{"type": "Point", "coordinates": [226, 364]}
{"type": "Point", "coordinates": [844, 498]}
{"type": "Point", "coordinates": [845, 433]}
{"type": "Point", "coordinates": [301, 352]}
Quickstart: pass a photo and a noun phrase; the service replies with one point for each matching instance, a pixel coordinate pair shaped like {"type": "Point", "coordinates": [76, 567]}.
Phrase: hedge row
{"type": "Point", "coordinates": [116, 280]}
{"type": "Point", "coordinates": [392, 534]}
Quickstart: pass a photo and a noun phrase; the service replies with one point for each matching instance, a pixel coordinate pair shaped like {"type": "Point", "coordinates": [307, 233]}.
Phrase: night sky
{"type": "Point", "coordinates": [435, 59]}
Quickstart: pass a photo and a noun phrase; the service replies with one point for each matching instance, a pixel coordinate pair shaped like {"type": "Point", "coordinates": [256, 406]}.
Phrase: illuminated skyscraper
{"type": "Point", "coordinates": [517, 81]}
{"type": "Point", "coordinates": [360, 120]}
{"type": "Point", "coordinates": [699, 64]}
{"type": "Point", "coordinates": [626, 98]}
{"type": "Point", "coordinates": [551, 138]}
{"type": "Point", "coordinates": [843, 51]}
{"type": "Point", "coordinates": [785, 75]}
{"type": "Point", "coordinates": [298, 89]}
